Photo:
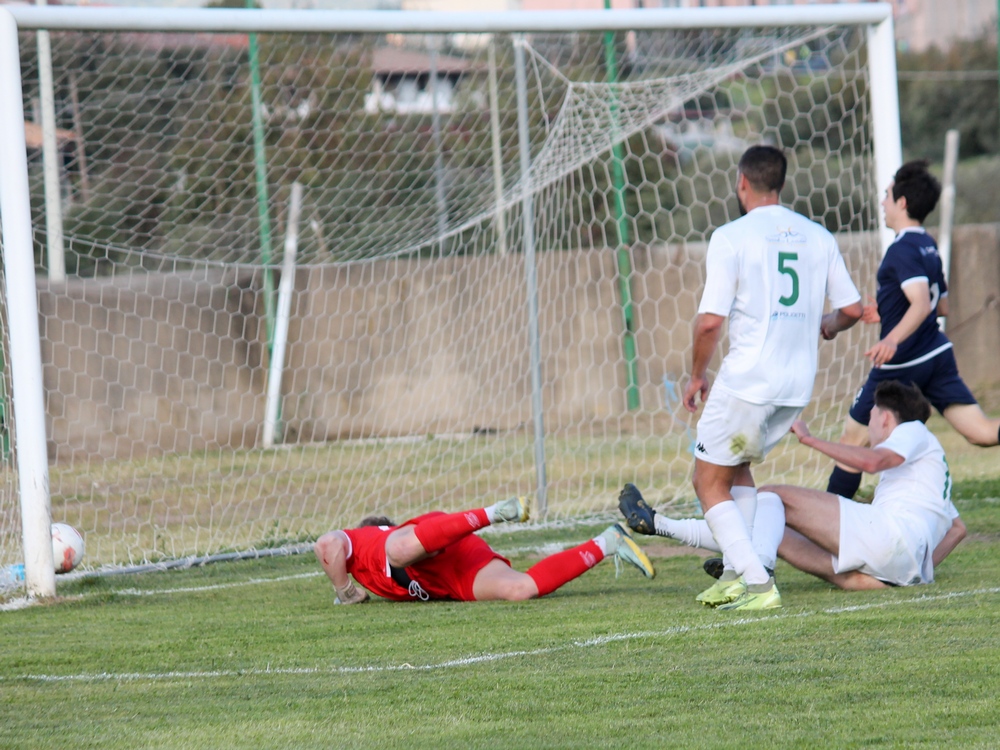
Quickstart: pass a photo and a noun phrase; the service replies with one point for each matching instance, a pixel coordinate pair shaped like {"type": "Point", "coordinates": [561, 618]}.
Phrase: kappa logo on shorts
{"type": "Point", "coordinates": [700, 448]}
{"type": "Point", "coordinates": [588, 558]}
{"type": "Point", "coordinates": [473, 520]}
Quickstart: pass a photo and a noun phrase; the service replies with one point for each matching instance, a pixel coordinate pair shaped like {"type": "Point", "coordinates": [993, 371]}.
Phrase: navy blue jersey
{"type": "Point", "coordinates": [912, 256]}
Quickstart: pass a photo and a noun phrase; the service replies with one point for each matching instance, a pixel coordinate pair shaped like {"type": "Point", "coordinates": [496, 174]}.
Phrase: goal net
{"type": "Point", "coordinates": [416, 372]}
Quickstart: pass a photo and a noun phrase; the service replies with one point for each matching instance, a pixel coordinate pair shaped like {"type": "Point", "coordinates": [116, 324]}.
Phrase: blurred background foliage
{"type": "Point", "coordinates": [170, 145]}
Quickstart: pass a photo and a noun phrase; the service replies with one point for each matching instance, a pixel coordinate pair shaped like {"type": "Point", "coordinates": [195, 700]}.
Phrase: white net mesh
{"type": "Point", "coordinates": [407, 381]}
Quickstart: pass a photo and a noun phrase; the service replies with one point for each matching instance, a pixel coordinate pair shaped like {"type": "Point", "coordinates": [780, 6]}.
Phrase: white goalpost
{"type": "Point", "coordinates": [493, 225]}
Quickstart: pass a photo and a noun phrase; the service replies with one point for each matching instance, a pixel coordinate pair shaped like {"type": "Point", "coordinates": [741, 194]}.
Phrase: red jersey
{"type": "Point", "coordinates": [449, 574]}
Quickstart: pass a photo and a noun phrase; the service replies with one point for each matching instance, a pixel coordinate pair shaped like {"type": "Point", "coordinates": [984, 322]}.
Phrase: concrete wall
{"type": "Point", "coordinates": [151, 363]}
{"type": "Point", "coordinates": [973, 322]}
{"type": "Point", "coordinates": [147, 363]}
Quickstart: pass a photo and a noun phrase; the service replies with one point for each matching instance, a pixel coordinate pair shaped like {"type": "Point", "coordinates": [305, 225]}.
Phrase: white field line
{"type": "Point", "coordinates": [23, 602]}
{"type": "Point", "coordinates": [482, 658]}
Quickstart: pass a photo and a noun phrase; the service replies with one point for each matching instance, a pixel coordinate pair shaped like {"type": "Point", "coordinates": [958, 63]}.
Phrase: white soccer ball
{"type": "Point", "coordinates": [67, 547]}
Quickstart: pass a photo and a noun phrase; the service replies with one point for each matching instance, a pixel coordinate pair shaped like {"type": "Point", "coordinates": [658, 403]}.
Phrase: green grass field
{"type": "Point", "coordinates": [255, 654]}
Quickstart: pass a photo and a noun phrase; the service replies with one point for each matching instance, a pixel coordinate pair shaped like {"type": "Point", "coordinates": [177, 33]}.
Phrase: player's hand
{"type": "Point", "coordinates": [693, 388]}
{"type": "Point", "coordinates": [824, 331]}
{"type": "Point", "coordinates": [800, 430]}
{"type": "Point", "coordinates": [869, 313]}
{"type": "Point", "coordinates": [881, 353]}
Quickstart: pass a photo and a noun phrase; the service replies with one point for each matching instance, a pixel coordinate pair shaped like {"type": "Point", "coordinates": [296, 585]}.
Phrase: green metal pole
{"type": "Point", "coordinates": [4, 426]}
{"type": "Point", "coordinates": [624, 262]}
{"type": "Point", "coordinates": [260, 164]}
{"type": "Point", "coordinates": [264, 218]}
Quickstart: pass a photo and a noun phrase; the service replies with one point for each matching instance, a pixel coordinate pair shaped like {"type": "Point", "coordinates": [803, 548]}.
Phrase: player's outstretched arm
{"type": "Point", "coordinates": [919, 295]}
{"type": "Point", "coordinates": [951, 540]}
{"type": "Point", "coordinates": [868, 460]}
{"type": "Point", "coordinates": [840, 320]}
{"type": "Point", "coordinates": [331, 551]}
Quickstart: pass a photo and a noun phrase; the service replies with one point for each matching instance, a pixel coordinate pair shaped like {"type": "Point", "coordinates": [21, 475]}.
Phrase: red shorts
{"type": "Point", "coordinates": [450, 574]}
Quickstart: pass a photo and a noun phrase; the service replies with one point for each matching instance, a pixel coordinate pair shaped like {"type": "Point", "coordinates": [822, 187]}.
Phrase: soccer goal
{"type": "Point", "coordinates": [293, 267]}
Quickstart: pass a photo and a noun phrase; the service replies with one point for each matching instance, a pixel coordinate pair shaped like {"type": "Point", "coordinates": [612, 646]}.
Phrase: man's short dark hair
{"type": "Point", "coordinates": [764, 167]}
{"type": "Point", "coordinates": [375, 521]}
{"type": "Point", "coordinates": [906, 402]}
{"type": "Point", "coordinates": [919, 186]}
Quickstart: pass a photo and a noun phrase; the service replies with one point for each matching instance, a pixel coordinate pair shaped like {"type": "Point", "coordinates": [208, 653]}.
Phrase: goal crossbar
{"type": "Point", "coordinates": [55, 18]}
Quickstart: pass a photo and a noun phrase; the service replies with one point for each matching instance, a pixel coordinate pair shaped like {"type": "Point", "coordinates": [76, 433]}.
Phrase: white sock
{"type": "Point", "coordinates": [769, 528]}
{"type": "Point", "coordinates": [491, 511]}
{"type": "Point", "coordinates": [601, 542]}
{"type": "Point", "coordinates": [693, 532]}
{"type": "Point", "coordinates": [730, 531]}
{"type": "Point", "coordinates": [746, 500]}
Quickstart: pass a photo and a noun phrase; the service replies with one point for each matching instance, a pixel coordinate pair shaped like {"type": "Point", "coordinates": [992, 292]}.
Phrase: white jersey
{"type": "Point", "coordinates": [917, 493]}
{"type": "Point", "coordinates": [770, 273]}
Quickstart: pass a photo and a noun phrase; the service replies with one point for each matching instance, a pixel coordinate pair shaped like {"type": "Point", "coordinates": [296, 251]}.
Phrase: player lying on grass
{"type": "Point", "coordinates": [909, 528]}
{"type": "Point", "coordinates": [912, 294]}
{"type": "Point", "coordinates": [437, 556]}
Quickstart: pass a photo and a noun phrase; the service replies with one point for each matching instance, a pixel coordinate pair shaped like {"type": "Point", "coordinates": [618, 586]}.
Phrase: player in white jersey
{"type": "Point", "coordinates": [769, 274]}
{"type": "Point", "coordinates": [910, 526]}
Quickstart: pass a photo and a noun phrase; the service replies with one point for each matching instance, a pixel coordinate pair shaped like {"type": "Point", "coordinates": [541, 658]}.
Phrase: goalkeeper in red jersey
{"type": "Point", "coordinates": [438, 556]}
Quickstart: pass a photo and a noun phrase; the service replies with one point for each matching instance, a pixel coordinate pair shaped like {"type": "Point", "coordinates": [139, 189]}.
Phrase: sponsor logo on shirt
{"type": "Point", "coordinates": [785, 315]}
{"type": "Point", "coordinates": [787, 236]}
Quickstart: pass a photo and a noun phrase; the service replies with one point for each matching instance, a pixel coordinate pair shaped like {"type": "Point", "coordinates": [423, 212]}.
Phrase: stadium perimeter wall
{"type": "Point", "coordinates": [144, 364]}
{"type": "Point", "coordinates": [974, 298]}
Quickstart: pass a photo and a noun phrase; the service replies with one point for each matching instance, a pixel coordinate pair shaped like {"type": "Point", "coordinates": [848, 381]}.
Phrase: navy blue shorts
{"type": "Point", "coordinates": [937, 379]}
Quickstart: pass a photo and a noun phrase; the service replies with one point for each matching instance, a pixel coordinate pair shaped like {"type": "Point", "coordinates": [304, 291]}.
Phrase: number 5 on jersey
{"type": "Point", "coordinates": [783, 267]}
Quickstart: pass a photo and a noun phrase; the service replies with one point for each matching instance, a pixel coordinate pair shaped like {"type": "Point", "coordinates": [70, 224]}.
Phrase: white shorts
{"type": "Point", "coordinates": [732, 432]}
{"type": "Point", "coordinates": [870, 542]}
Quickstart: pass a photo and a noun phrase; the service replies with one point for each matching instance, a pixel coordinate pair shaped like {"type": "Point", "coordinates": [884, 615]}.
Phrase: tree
{"type": "Point", "coordinates": [932, 103]}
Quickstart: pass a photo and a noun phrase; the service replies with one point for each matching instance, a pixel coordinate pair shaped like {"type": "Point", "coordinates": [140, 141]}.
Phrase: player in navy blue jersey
{"type": "Point", "coordinates": [911, 294]}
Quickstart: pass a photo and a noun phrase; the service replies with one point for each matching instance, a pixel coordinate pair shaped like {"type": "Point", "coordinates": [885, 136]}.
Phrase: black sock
{"type": "Point", "coordinates": [844, 483]}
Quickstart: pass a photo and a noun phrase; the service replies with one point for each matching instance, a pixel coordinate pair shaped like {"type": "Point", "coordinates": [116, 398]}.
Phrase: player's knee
{"type": "Point", "coordinates": [326, 546]}
{"type": "Point", "coordinates": [781, 491]}
{"type": "Point", "coordinates": [982, 438]}
{"type": "Point", "coordinates": [322, 544]}
{"type": "Point", "coordinates": [973, 424]}
{"type": "Point", "coordinates": [402, 548]}
{"type": "Point", "coordinates": [519, 590]}
{"type": "Point", "coordinates": [785, 492]}
{"type": "Point", "coordinates": [395, 552]}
